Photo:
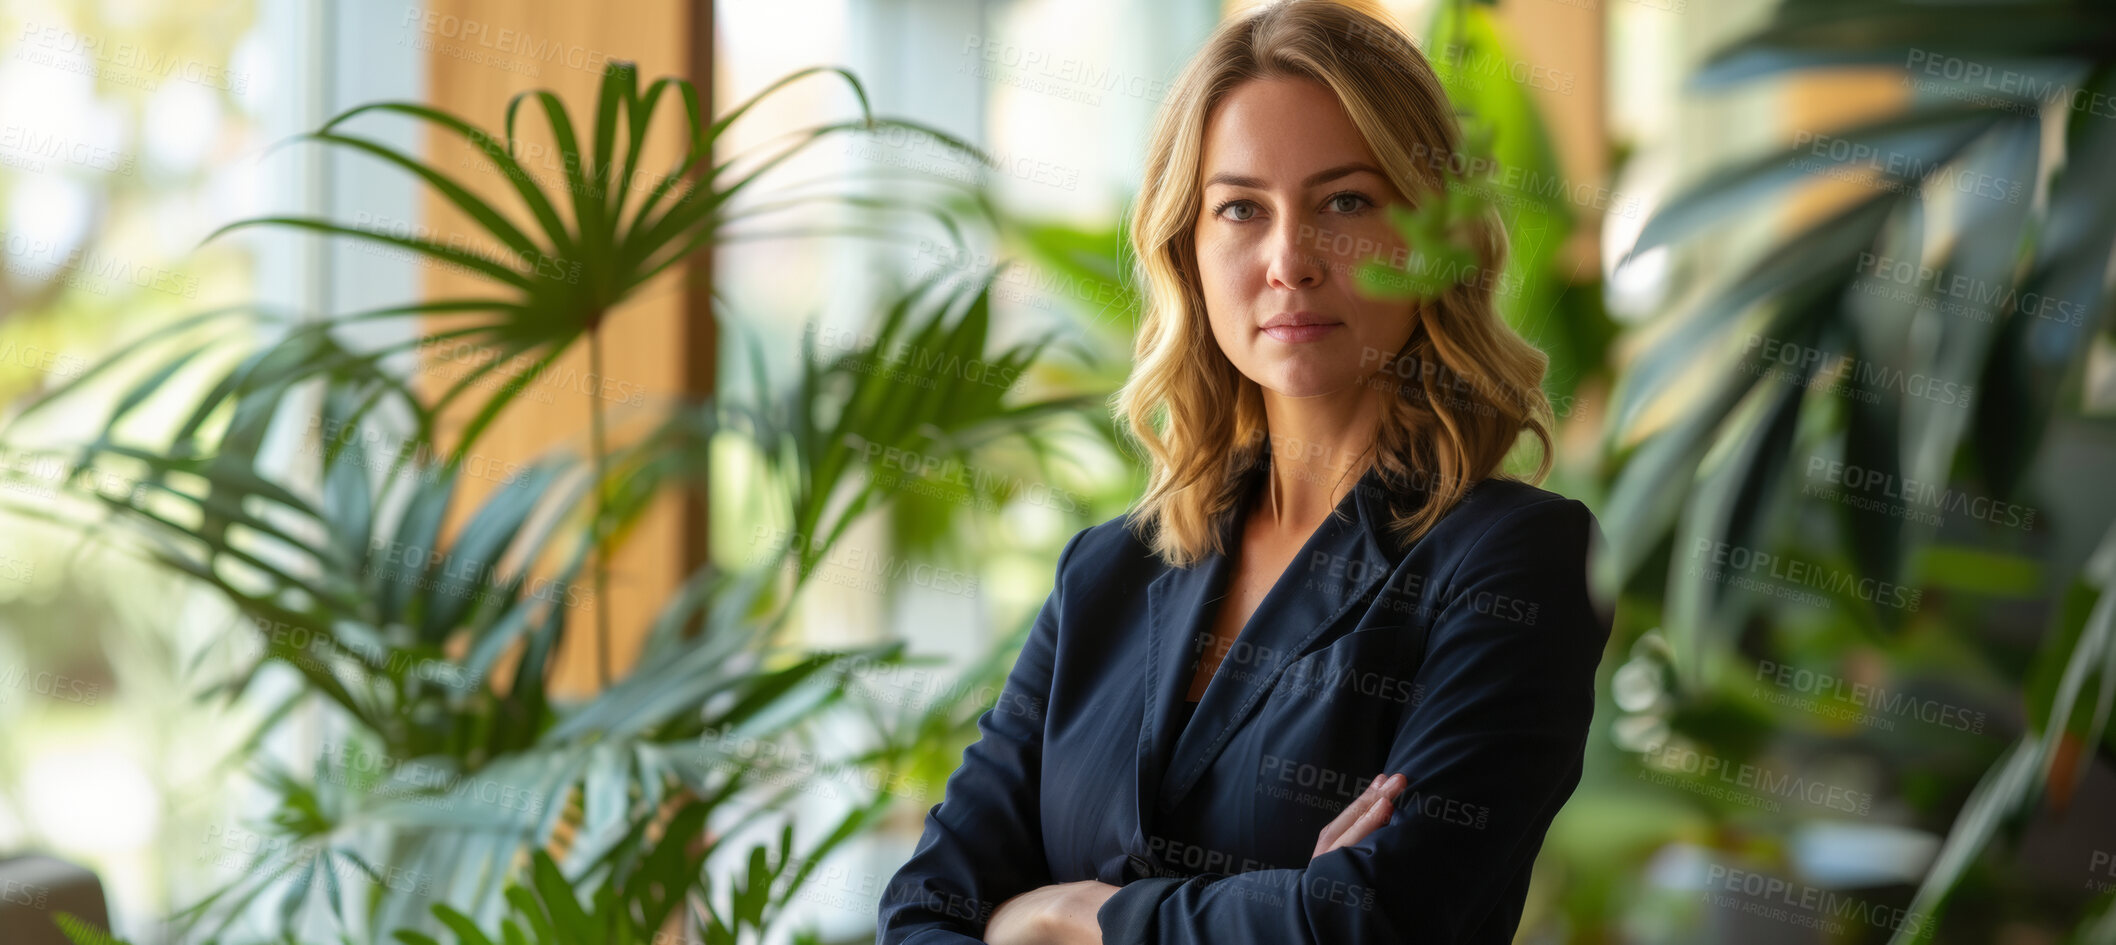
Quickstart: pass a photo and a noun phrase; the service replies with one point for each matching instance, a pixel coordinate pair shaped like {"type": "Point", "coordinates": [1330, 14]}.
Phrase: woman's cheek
{"type": "Point", "coordinates": [1226, 274]}
{"type": "Point", "coordinates": [1348, 246]}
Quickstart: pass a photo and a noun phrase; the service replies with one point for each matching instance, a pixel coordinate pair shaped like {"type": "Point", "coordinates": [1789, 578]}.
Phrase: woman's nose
{"type": "Point", "coordinates": [1294, 261]}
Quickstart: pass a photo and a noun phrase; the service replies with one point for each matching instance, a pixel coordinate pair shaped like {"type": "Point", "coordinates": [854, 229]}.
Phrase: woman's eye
{"type": "Point", "coordinates": [1347, 203]}
{"type": "Point", "coordinates": [1242, 211]}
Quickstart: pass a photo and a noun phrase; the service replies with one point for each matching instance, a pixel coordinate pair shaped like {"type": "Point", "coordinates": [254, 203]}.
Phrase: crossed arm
{"type": "Point", "coordinates": [1066, 913]}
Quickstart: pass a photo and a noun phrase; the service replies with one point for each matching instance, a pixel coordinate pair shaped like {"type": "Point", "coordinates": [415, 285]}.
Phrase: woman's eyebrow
{"type": "Point", "coordinates": [1319, 177]}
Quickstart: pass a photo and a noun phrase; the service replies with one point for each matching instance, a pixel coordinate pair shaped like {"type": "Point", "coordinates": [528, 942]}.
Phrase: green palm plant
{"type": "Point", "coordinates": [457, 767]}
{"type": "Point", "coordinates": [1939, 325]}
{"type": "Point", "coordinates": [627, 903]}
{"type": "Point", "coordinates": [620, 902]}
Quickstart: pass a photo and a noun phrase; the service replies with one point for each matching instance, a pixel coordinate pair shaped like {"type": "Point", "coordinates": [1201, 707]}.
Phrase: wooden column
{"type": "Point", "coordinates": [660, 344]}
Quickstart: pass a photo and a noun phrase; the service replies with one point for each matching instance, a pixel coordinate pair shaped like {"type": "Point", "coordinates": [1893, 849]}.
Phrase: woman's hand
{"type": "Point", "coordinates": [1367, 812]}
{"type": "Point", "coordinates": [1059, 914]}
{"type": "Point", "coordinates": [1064, 913]}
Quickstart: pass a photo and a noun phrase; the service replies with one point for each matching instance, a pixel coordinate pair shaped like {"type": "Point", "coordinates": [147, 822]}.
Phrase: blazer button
{"type": "Point", "coordinates": [1139, 867]}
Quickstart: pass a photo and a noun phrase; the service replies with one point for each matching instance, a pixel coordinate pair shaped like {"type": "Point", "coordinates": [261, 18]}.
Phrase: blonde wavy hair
{"type": "Point", "coordinates": [1474, 385]}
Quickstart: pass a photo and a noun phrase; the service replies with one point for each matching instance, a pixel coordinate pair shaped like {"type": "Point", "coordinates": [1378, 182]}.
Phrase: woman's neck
{"type": "Point", "coordinates": [1320, 447]}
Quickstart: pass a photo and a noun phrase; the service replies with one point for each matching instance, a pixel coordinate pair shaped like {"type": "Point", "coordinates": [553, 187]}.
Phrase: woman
{"type": "Point", "coordinates": [1331, 678]}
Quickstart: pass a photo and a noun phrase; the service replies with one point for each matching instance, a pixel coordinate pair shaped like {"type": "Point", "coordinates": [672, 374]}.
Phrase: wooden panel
{"type": "Point", "coordinates": [481, 52]}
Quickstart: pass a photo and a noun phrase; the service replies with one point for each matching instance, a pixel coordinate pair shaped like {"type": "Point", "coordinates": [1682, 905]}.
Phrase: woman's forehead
{"type": "Point", "coordinates": [1279, 132]}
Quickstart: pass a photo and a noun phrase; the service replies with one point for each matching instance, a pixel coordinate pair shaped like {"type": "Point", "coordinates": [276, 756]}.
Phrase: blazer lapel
{"type": "Point", "coordinates": [1340, 564]}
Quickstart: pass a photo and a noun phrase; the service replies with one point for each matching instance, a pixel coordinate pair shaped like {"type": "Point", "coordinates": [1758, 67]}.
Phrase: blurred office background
{"type": "Point", "coordinates": [1874, 343]}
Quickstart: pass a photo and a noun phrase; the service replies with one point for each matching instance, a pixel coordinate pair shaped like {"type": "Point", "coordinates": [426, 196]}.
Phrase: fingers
{"type": "Point", "coordinates": [1376, 815]}
{"type": "Point", "coordinates": [1344, 818]}
{"type": "Point", "coordinates": [1359, 818]}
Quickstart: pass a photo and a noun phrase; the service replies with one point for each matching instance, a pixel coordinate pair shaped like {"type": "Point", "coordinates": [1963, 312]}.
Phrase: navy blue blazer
{"type": "Point", "coordinates": [1466, 661]}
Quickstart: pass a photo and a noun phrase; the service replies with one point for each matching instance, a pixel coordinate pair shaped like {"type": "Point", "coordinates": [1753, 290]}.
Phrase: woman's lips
{"type": "Point", "coordinates": [1294, 334]}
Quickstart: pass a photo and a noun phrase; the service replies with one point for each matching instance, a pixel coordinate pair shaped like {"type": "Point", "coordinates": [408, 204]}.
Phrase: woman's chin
{"type": "Point", "coordinates": [1311, 380]}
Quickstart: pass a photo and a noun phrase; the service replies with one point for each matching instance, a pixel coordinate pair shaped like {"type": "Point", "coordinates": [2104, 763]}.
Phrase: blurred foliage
{"type": "Point", "coordinates": [457, 767]}
{"type": "Point", "coordinates": [1847, 456]}
{"type": "Point", "coordinates": [91, 185]}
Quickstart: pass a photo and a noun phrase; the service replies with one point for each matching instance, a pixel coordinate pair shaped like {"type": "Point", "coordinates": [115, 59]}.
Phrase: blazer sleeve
{"type": "Point", "coordinates": [983, 843]}
{"type": "Point", "coordinates": [1491, 750]}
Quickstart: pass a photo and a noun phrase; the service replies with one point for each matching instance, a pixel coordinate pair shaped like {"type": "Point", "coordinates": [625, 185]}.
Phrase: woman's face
{"type": "Point", "coordinates": [1292, 205]}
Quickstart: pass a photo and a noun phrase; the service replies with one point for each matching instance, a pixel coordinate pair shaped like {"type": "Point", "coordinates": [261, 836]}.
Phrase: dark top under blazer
{"type": "Point", "coordinates": [1466, 662]}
